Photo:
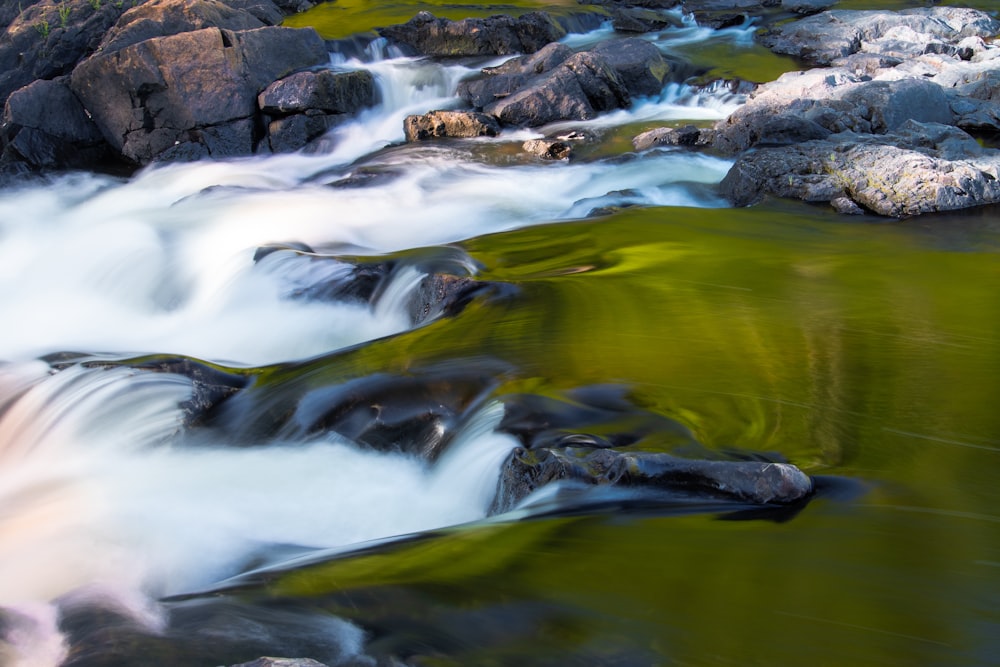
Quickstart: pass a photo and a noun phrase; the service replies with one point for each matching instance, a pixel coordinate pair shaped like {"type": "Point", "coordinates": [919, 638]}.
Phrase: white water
{"type": "Point", "coordinates": [96, 496]}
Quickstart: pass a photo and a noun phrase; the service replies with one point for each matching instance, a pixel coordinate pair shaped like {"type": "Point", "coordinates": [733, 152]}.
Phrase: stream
{"type": "Point", "coordinates": [134, 531]}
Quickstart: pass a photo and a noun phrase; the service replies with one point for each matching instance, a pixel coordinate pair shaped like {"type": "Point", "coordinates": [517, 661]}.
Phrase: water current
{"type": "Point", "coordinates": [864, 351]}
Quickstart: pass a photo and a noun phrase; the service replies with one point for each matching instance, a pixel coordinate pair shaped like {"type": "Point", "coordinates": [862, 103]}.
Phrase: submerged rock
{"type": "Point", "coordinates": [753, 482]}
{"type": "Point", "coordinates": [497, 35]}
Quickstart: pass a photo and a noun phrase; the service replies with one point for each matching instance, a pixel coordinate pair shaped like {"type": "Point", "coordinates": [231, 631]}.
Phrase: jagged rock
{"type": "Point", "coordinates": [196, 88]}
{"type": "Point", "coordinates": [807, 6]}
{"type": "Point", "coordinates": [824, 37]}
{"type": "Point", "coordinates": [323, 90]}
{"type": "Point", "coordinates": [496, 35]}
{"type": "Point", "coordinates": [556, 84]}
{"type": "Point", "coordinates": [292, 133]}
{"type": "Point", "coordinates": [753, 482]}
{"type": "Point", "coordinates": [801, 106]}
{"type": "Point", "coordinates": [37, 45]}
{"type": "Point", "coordinates": [160, 18]}
{"type": "Point", "coordinates": [46, 126]}
{"type": "Point", "coordinates": [921, 168]}
{"type": "Point", "coordinates": [458, 124]}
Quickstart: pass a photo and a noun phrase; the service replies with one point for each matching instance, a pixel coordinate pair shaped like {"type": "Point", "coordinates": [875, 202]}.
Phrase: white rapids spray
{"type": "Point", "coordinates": [96, 496]}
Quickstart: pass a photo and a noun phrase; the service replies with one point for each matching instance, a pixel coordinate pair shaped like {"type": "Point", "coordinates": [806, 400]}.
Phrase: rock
{"type": "Point", "coordinates": [292, 133]}
{"type": "Point", "coordinates": [906, 33]}
{"type": "Point", "coordinates": [281, 662]}
{"type": "Point", "coordinates": [161, 18]}
{"type": "Point", "coordinates": [266, 11]}
{"type": "Point", "coordinates": [807, 6]}
{"type": "Point", "coordinates": [801, 106]}
{"type": "Point", "coordinates": [639, 64]}
{"type": "Point", "coordinates": [689, 135]}
{"type": "Point", "coordinates": [921, 168]}
{"type": "Point", "coordinates": [45, 125]}
{"type": "Point", "coordinates": [197, 88]}
{"type": "Point", "coordinates": [638, 19]}
{"type": "Point", "coordinates": [548, 149]}
{"type": "Point", "coordinates": [497, 35]}
{"type": "Point", "coordinates": [458, 124]}
{"type": "Point", "coordinates": [754, 482]}
{"type": "Point", "coordinates": [506, 79]}
{"type": "Point", "coordinates": [323, 90]}
{"type": "Point", "coordinates": [36, 44]}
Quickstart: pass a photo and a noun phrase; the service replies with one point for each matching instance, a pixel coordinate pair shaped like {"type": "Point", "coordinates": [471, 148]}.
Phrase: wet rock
{"type": "Point", "coordinates": [281, 662]}
{"type": "Point", "coordinates": [688, 135]}
{"type": "Point", "coordinates": [323, 90]}
{"type": "Point", "coordinates": [46, 126]}
{"type": "Point", "coordinates": [292, 133]}
{"type": "Point", "coordinates": [753, 482]}
{"type": "Point", "coordinates": [497, 35]}
{"type": "Point", "coordinates": [548, 149]}
{"type": "Point", "coordinates": [457, 124]}
{"type": "Point", "coordinates": [825, 37]}
{"type": "Point", "coordinates": [198, 88]}
{"type": "Point", "coordinates": [807, 6]}
{"type": "Point", "coordinates": [921, 168]}
{"type": "Point", "coordinates": [556, 84]}
{"type": "Point", "coordinates": [639, 19]}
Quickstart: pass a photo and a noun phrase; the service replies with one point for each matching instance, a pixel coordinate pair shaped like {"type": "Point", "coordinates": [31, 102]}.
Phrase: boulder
{"type": "Point", "coordinates": [291, 133]}
{"type": "Point", "coordinates": [503, 80]}
{"type": "Point", "coordinates": [688, 135]}
{"type": "Point", "coordinates": [426, 34]}
{"type": "Point", "coordinates": [161, 18]}
{"type": "Point", "coordinates": [196, 88]}
{"type": "Point", "coordinates": [750, 482]}
{"type": "Point", "coordinates": [39, 44]}
{"type": "Point", "coordinates": [549, 149]}
{"type": "Point", "coordinates": [802, 106]}
{"type": "Point", "coordinates": [921, 168]}
{"type": "Point", "coordinates": [825, 37]}
{"type": "Point", "coordinates": [639, 64]}
{"type": "Point", "coordinates": [45, 125]}
{"type": "Point", "coordinates": [459, 124]}
{"type": "Point", "coordinates": [323, 90]}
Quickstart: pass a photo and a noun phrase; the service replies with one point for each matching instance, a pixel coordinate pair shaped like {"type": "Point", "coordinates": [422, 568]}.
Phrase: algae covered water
{"type": "Point", "coordinates": [866, 352]}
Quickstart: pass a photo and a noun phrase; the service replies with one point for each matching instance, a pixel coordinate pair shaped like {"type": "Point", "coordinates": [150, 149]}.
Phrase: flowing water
{"type": "Point", "coordinates": [135, 531]}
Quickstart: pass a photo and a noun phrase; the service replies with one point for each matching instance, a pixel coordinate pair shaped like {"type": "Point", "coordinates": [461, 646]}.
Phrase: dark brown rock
{"type": "Point", "coordinates": [323, 90]}
{"type": "Point", "coordinates": [161, 18]}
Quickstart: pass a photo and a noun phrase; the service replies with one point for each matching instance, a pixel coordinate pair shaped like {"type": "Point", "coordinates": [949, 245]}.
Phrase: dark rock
{"type": "Point", "coordinates": [197, 87]}
{"type": "Point", "coordinates": [292, 133]}
{"type": "Point", "coordinates": [441, 294]}
{"type": "Point", "coordinates": [506, 79]}
{"type": "Point", "coordinates": [458, 124]}
{"type": "Point", "coordinates": [323, 90]}
{"type": "Point", "coordinates": [689, 135]}
{"type": "Point", "coordinates": [46, 126]}
{"type": "Point", "coordinates": [639, 64]}
{"type": "Point", "coordinates": [641, 20]}
{"type": "Point", "coordinates": [496, 35]}
{"type": "Point", "coordinates": [753, 482]}
{"type": "Point", "coordinates": [579, 88]}
{"type": "Point", "coordinates": [807, 6]}
{"type": "Point", "coordinates": [920, 168]}
{"type": "Point", "coordinates": [266, 11]}
{"type": "Point", "coordinates": [37, 44]}
{"type": "Point", "coordinates": [163, 18]}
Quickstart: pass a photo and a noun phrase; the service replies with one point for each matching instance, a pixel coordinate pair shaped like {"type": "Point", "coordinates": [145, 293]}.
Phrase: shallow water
{"type": "Point", "coordinates": [866, 352]}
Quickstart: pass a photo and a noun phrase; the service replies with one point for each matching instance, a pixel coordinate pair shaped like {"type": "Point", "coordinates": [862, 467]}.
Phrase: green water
{"type": "Point", "coordinates": [865, 351]}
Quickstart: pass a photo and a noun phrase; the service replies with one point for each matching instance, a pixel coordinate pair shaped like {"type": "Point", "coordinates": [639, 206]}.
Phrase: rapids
{"type": "Point", "coordinates": [863, 351]}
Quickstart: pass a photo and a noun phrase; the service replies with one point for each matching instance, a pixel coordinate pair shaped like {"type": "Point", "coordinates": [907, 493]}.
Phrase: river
{"type": "Point", "coordinates": [865, 351]}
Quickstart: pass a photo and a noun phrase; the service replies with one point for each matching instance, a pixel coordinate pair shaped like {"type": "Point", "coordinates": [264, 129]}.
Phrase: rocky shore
{"type": "Point", "coordinates": [894, 113]}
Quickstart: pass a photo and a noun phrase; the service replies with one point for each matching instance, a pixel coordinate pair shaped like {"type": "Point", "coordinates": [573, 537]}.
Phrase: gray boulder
{"type": "Point", "coordinates": [825, 37]}
{"type": "Point", "coordinates": [323, 90]}
{"type": "Point", "coordinates": [159, 18]}
{"type": "Point", "coordinates": [501, 35]}
{"type": "Point", "coordinates": [198, 88]}
{"type": "Point", "coordinates": [46, 126]}
{"type": "Point", "coordinates": [921, 168]}
{"type": "Point", "coordinates": [458, 124]}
